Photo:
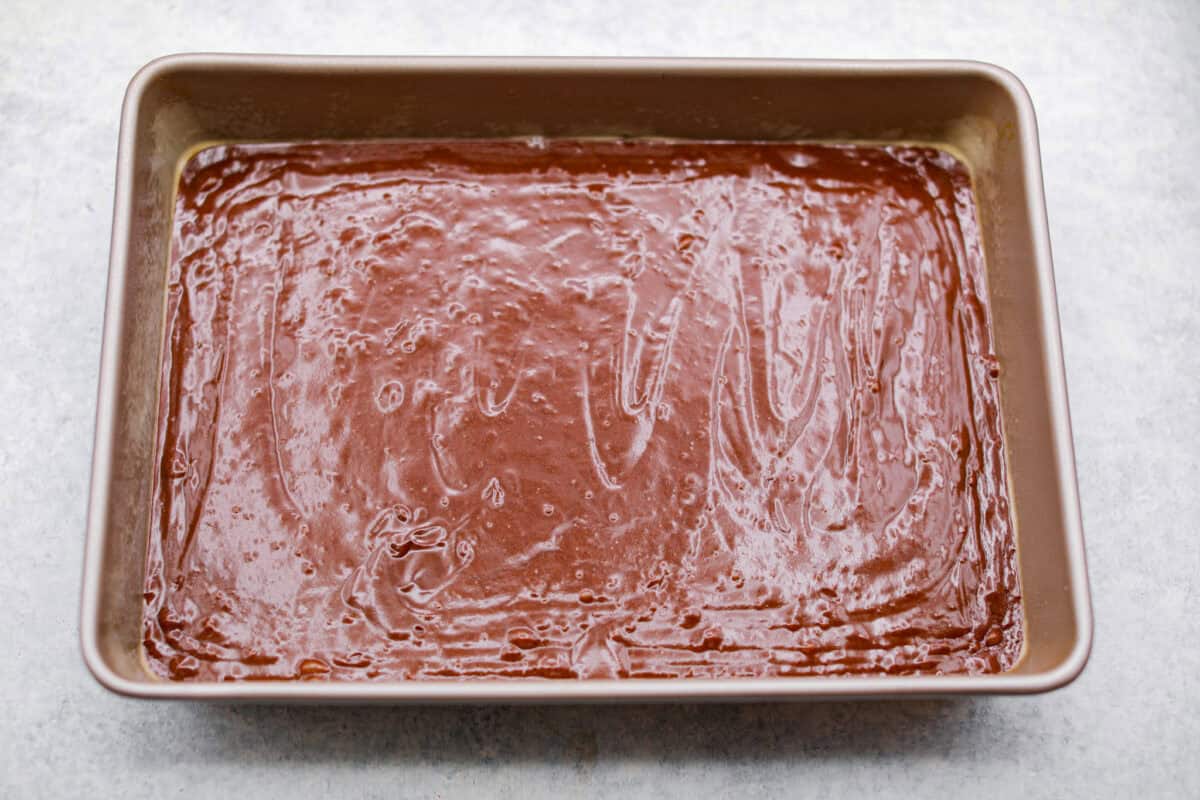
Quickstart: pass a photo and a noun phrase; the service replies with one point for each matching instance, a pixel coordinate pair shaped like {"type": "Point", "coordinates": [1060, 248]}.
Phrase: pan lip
{"type": "Point", "coordinates": [620, 690]}
{"type": "Point", "coordinates": [158, 68]}
{"type": "Point", "coordinates": [635, 690]}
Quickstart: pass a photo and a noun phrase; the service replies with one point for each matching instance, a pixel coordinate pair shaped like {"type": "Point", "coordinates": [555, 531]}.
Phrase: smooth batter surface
{"type": "Point", "coordinates": [578, 409]}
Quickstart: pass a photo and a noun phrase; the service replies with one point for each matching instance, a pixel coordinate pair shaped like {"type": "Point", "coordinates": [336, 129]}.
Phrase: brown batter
{"type": "Point", "coordinates": [578, 409]}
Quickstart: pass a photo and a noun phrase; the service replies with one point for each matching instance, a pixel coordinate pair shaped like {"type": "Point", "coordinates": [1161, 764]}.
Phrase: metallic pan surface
{"type": "Point", "coordinates": [981, 111]}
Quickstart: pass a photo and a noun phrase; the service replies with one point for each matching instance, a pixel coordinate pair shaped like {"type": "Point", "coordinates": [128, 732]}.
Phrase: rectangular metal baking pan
{"type": "Point", "coordinates": [979, 110]}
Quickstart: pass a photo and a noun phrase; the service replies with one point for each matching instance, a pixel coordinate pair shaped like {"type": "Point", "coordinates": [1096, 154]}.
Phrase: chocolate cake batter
{"type": "Point", "coordinates": [577, 409]}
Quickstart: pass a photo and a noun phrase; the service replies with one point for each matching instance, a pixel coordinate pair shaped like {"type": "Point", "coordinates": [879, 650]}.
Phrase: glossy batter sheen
{"type": "Point", "coordinates": [577, 409]}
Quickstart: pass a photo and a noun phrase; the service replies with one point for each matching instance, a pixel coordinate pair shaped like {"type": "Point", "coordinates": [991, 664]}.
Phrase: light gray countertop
{"type": "Point", "coordinates": [1116, 91]}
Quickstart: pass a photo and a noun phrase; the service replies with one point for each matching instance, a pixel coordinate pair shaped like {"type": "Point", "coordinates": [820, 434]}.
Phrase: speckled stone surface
{"type": "Point", "coordinates": [1119, 110]}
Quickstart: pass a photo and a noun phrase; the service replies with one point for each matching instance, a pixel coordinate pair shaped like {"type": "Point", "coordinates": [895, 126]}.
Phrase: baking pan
{"type": "Point", "coordinates": [980, 111]}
